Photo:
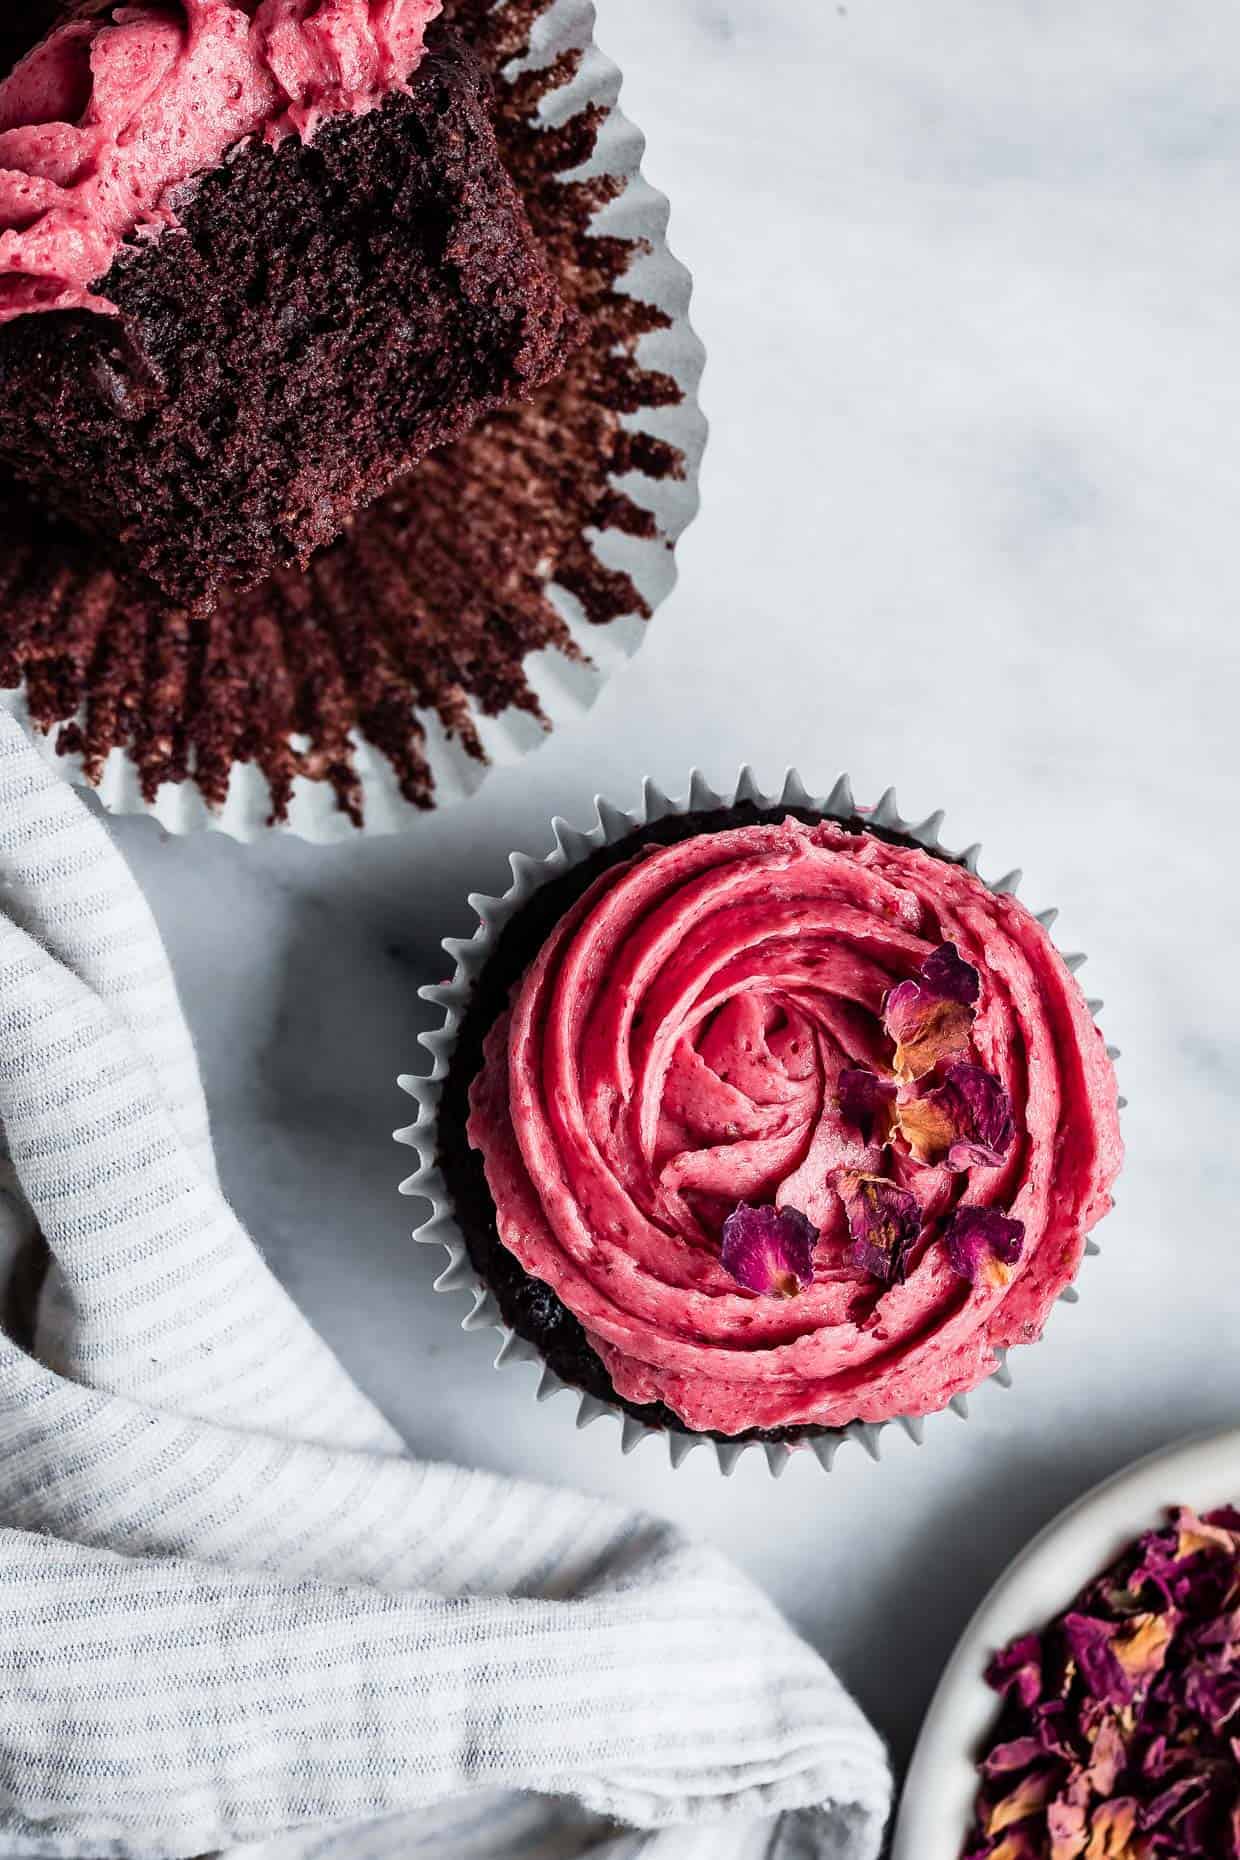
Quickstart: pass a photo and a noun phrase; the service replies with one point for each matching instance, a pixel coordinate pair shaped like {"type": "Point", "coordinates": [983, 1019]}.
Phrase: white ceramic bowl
{"type": "Point", "coordinates": [936, 1811]}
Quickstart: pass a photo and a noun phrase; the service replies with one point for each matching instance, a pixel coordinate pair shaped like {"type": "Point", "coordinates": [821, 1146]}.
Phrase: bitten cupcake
{"type": "Point", "coordinates": [256, 261]}
{"type": "Point", "coordinates": [762, 1122]}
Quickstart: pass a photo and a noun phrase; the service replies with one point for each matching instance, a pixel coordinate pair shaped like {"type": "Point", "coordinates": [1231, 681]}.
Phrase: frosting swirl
{"type": "Point", "coordinates": [112, 112]}
{"type": "Point", "coordinates": [676, 1050]}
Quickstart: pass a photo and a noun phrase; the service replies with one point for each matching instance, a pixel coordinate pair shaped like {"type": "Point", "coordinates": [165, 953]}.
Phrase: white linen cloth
{"type": "Point", "coordinates": [233, 1609]}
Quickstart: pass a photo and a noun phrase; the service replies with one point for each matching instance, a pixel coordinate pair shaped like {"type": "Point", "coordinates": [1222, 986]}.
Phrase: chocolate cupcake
{"type": "Point", "coordinates": [765, 1121]}
{"type": "Point", "coordinates": [487, 596]}
{"type": "Point", "coordinates": [253, 269]}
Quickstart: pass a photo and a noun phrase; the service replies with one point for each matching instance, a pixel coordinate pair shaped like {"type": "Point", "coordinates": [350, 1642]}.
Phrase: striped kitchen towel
{"type": "Point", "coordinates": [233, 1609]}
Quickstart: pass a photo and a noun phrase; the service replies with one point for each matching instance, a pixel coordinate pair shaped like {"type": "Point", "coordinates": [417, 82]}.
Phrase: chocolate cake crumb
{"type": "Point", "coordinates": [431, 600]}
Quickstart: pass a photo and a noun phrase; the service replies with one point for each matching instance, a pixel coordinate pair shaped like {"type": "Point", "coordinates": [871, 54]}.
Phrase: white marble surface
{"type": "Point", "coordinates": [969, 277]}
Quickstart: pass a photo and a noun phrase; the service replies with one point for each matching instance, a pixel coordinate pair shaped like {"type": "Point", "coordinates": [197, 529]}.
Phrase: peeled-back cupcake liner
{"type": "Point", "coordinates": [565, 687]}
{"type": "Point", "coordinates": [573, 846]}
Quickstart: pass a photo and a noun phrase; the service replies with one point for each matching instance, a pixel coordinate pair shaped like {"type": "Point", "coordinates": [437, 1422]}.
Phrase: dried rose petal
{"type": "Point", "coordinates": [965, 1121]}
{"type": "Point", "coordinates": [1018, 1670]}
{"type": "Point", "coordinates": [1194, 1828]}
{"type": "Point", "coordinates": [948, 974]}
{"type": "Point", "coordinates": [769, 1249]}
{"type": "Point", "coordinates": [1055, 1730]}
{"type": "Point", "coordinates": [1159, 1759]}
{"type": "Point", "coordinates": [1018, 1755]}
{"type": "Point", "coordinates": [926, 1029]}
{"type": "Point", "coordinates": [1213, 1692]}
{"type": "Point", "coordinates": [1018, 1804]}
{"type": "Point", "coordinates": [1017, 1843]}
{"type": "Point", "coordinates": [1174, 1802]}
{"type": "Point", "coordinates": [987, 1124]}
{"type": "Point", "coordinates": [930, 1017]}
{"type": "Point", "coordinates": [1107, 1757]}
{"type": "Point", "coordinates": [1067, 1823]}
{"type": "Point", "coordinates": [866, 1102]}
{"type": "Point", "coordinates": [884, 1221]}
{"type": "Point", "coordinates": [1113, 1832]}
{"type": "Point", "coordinates": [983, 1245]}
{"type": "Point", "coordinates": [1195, 1534]}
{"type": "Point", "coordinates": [1118, 1661]}
{"type": "Point", "coordinates": [926, 1119]}
{"type": "Point", "coordinates": [1141, 1648]}
{"type": "Point", "coordinates": [1067, 1830]}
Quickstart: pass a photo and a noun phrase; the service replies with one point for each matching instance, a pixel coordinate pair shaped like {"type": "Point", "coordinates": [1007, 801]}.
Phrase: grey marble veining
{"type": "Point", "coordinates": [969, 280]}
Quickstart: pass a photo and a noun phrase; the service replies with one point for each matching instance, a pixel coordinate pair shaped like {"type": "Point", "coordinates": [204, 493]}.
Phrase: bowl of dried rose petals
{"type": "Point", "coordinates": [1092, 1709]}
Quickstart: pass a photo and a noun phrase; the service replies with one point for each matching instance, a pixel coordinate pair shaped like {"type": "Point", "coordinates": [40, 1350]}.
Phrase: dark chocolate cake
{"type": "Point", "coordinates": [322, 316]}
{"type": "Point", "coordinates": [432, 598]}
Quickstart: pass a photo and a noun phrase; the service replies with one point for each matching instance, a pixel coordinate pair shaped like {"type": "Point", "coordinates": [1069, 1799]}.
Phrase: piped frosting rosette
{"type": "Point", "coordinates": [804, 1125]}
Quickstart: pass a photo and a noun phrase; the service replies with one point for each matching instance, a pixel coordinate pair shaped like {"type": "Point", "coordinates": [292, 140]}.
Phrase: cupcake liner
{"type": "Point", "coordinates": [564, 681]}
{"type": "Point", "coordinates": [573, 846]}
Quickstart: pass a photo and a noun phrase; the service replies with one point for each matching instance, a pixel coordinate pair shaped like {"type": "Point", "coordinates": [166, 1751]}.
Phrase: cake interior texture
{"type": "Point", "coordinates": [320, 318]}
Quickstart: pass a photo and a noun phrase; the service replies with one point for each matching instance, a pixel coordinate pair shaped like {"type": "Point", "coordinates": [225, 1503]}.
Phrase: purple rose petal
{"type": "Point", "coordinates": [866, 1102]}
{"type": "Point", "coordinates": [1018, 1843]}
{"type": "Point", "coordinates": [1213, 1691]}
{"type": "Point", "coordinates": [1112, 1827]}
{"type": "Point", "coordinates": [983, 1244]}
{"type": "Point", "coordinates": [988, 1126]}
{"type": "Point", "coordinates": [1117, 1661]}
{"type": "Point", "coordinates": [1017, 1670]}
{"type": "Point", "coordinates": [1173, 1804]}
{"type": "Point", "coordinates": [930, 1017]}
{"type": "Point", "coordinates": [1054, 1729]}
{"type": "Point", "coordinates": [926, 1117]}
{"type": "Point", "coordinates": [884, 1221]}
{"type": "Point", "coordinates": [965, 1121]}
{"type": "Point", "coordinates": [1067, 1820]}
{"type": "Point", "coordinates": [769, 1250]}
{"type": "Point", "coordinates": [1017, 1755]}
{"type": "Point", "coordinates": [1032, 1793]}
{"type": "Point", "coordinates": [1107, 1758]}
{"type": "Point", "coordinates": [949, 975]}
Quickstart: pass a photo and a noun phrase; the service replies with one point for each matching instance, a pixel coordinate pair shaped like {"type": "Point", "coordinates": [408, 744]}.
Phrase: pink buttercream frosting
{"type": "Point", "coordinates": [104, 121]}
{"type": "Point", "coordinates": [676, 1049]}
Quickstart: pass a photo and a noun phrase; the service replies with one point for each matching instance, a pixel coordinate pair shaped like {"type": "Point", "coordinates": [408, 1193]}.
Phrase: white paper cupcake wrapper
{"type": "Point", "coordinates": [565, 688]}
{"type": "Point", "coordinates": [573, 846]}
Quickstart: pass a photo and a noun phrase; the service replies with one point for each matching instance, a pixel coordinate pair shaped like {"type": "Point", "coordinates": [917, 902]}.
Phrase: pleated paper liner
{"type": "Point", "coordinates": [573, 846]}
{"type": "Point", "coordinates": [426, 646]}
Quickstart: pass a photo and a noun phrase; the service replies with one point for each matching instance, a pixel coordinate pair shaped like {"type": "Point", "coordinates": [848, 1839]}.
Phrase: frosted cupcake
{"type": "Point", "coordinates": [761, 1123]}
